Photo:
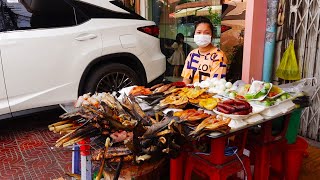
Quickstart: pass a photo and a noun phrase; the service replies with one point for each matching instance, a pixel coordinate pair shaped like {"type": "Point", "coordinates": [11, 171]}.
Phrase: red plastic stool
{"type": "Point", "coordinates": [177, 166]}
{"type": "Point", "coordinates": [204, 168]}
{"type": "Point", "coordinates": [294, 158]}
{"type": "Point", "coordinates": [264, 146]}
{"type": "Point", "coordinates": [269, 156]}
{"type": "Point", "coordinates": [216, 154]}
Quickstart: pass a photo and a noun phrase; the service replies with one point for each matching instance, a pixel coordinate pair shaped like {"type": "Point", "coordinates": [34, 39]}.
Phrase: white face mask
{"type": "Point", "coordinates": [202, 40]}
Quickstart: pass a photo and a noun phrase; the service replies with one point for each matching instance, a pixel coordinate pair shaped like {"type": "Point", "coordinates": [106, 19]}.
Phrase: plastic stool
{"type": "Point", "coordinates": [269, 156]}
{"type": "Point", "coordinates": [216, 154]}
{"type": "Point", "coordinates": [267, 145]}
{"type": "Point", "coordinates": [177, 166]}
{"type": "Point", "coordinates": [203, 168]}
{"type": "Point", "coordinates": [294, 158]}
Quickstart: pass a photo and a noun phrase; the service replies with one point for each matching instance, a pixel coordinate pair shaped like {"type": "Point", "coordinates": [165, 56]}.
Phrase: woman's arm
{"type": "Point", "coordinates": [186, 80]}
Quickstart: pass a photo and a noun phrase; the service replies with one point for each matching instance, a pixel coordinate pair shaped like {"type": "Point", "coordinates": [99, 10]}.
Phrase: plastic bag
{"type": "Point", "coordinates": [306, 85]}
{"type": "Point", "coordinates": [288, 68]}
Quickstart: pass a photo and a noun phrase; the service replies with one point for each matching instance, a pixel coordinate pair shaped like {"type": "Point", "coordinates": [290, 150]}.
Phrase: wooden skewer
{"type": "Point", "coordinates": [105, 175]}
{"type": "Point", "coordinates": [63, 137]}
{"type": "Point", "coordinates": [59, 123]}
{"type": "Point", "coordinates": [65, 131]}
{"type": "Point", "coordinates": [59, 128]}
{"type": "Point", "coordinates": [107, 144]}
{"type": "Point", "coordinates": [81, 134]}
{"type": "Point", "coordinates": [69, 128]}
{"type": "Point", "coordinates": [73, 141]}
{"type": "Point", "coordinates": [76, 176]}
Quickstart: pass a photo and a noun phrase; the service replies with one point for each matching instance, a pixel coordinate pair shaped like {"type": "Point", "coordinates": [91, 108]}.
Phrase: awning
{"type": "Point", "coordinates": [197, 11]}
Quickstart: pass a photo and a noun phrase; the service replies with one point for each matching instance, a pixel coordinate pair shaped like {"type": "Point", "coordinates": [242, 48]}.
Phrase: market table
{"type": "Point", "coordinates": [239, 130]}
{"type": "Point", "coordinates": [218, 140]}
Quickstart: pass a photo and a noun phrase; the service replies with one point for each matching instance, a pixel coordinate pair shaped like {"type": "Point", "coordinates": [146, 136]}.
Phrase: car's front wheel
{"type": "Point", "coordinates": [110, 78]}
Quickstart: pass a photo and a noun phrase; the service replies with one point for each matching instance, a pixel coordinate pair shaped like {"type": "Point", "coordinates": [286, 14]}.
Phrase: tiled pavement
{"type": "Point", "coordinates": [25, 148]}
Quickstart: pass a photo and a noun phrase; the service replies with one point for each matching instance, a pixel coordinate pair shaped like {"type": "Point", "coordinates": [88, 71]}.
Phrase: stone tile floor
{"type": "Point", "coordinates": [25, 148]}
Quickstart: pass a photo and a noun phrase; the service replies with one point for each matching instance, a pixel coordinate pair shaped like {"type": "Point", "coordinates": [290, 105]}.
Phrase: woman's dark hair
{"type": "Point", "coordinates": [205, 20]}
{"type": "Point", "coordinates": [179, 37]}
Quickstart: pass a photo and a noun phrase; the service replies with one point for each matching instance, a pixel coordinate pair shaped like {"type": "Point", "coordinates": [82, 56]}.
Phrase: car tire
{"type": "Point", "coordinates": [110, 78]}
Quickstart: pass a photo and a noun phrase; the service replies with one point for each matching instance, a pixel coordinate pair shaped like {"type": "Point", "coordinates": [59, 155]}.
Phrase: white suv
{"type": "Point", "coordinates": [54, 50]}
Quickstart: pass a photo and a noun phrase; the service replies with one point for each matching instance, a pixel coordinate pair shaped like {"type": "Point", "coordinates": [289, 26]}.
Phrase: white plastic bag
{"type": "Point", "coordinates": [306, 86]}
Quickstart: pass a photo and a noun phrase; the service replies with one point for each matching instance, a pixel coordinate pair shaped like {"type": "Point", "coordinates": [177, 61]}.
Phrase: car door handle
{"type": "Point", "coordinates": [84, 37]}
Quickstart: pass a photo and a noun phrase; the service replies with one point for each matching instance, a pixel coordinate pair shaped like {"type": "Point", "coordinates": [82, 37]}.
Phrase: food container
{"type": "Point", "coordinates": [275, 92]}
{"type": "Point", "coordinates": [258, 91]}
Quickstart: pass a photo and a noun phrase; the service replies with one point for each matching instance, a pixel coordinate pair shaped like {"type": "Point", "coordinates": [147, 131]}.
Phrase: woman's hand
{"type": "Point", "coordinates": [186, 80]}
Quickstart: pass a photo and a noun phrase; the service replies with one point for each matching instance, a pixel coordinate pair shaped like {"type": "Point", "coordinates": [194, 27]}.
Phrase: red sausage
{"type": "Point", "coordinates": [229, 102]}
{"type": "Point", "coordinates": [227, 107]}
{"type": "Point", "coordinates": [221, 109]}
{"type": "Point", "coordinates": [241, 107]}
{"type": "Point", "coordinates": [240, 102]}
{"type": "Point", "coordinates": [244, 112]}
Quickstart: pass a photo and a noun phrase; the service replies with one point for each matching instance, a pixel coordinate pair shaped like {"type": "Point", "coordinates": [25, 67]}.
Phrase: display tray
{"type": "Point", "coordinates": [274, 105]}
{"type": "Point", "coordinates": [279, 94]}
{"type": "Point", "coordinates": [256, 109]}
{"type": "Point", "coordinates": [254, 91]}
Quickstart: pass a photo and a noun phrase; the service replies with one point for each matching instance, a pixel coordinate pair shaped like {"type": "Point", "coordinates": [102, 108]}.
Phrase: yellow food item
{"type": "Point", "coordinates": [194, 93]}
{"type": "Point", "coordinates": [194, 101]}
{"type": "Point", "coordinates": [209, 103]}
{"type": "Point", "coordinates": [174, 99]}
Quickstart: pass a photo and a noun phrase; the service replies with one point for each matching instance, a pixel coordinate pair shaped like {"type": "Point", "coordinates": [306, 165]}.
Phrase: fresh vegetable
{"type": "Point", "coordinates": [267, 85]}
{"type": "Point", "coordinates": [283, 97]}
{"type": "Point", "coordinates": [249, 96]}
{"type": "Point", "coordinates": [232, 95]}
{"type": "Point", "coordinates": [258, 90]}
{"type": "Point", "coordinates": [228, 85]}
{"type": "Point", "coordinates": [268, 103]}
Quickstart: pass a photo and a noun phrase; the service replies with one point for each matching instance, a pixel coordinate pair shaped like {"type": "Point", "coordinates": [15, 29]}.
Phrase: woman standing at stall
{"type": "Point", "coordinates": [206, 61]}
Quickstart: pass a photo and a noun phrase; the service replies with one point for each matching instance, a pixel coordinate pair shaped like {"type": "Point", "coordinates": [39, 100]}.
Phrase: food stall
{"type": "Point", "coordinates": [211, 124]}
